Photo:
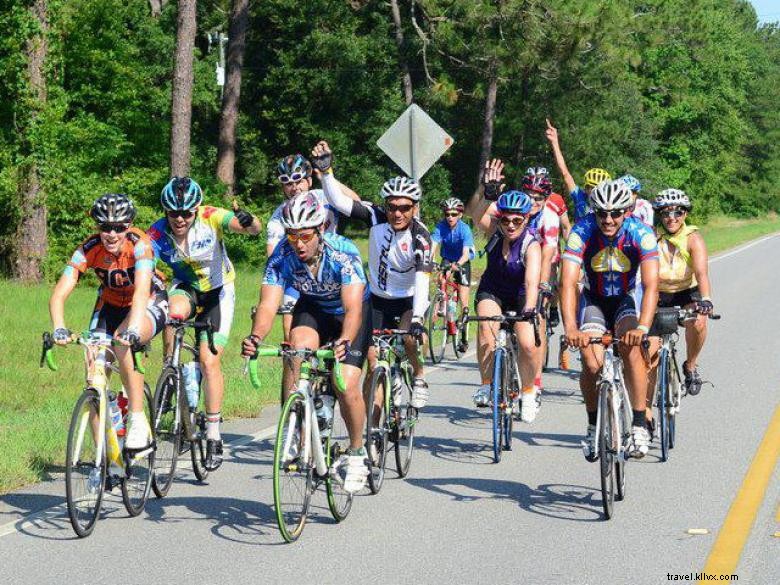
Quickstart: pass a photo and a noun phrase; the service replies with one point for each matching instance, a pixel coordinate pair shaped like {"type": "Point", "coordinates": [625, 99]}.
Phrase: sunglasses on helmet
{"type": "Point", "coordinates": [117, 228]}
{"type": "Point", "coordinates": [186, 214]}
{"type": "Point", "coordinates": [614, 214]}
{"type": "Point", "coordinates": [292, 177]}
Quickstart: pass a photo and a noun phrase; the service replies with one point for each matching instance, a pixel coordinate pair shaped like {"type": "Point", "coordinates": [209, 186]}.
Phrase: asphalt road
{"type": "Point", "coordinates": [459, 518]}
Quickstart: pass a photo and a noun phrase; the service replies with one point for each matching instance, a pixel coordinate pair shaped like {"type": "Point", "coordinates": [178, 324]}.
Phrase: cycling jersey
{"type": "Point", "coordinates": [505, 277]}
{"type": "Point", "coordinates": [275, 230]}
{"type": "Point", "coordinates": [547, 226]}
{"type": "Point", "coordinates": [202, 262]}
{"type": "Point", "coordinates": [340, 265]}
{"type": "Point", "coordinates": [675, 272]}
{"type": "Point", "coordinates": [643, 209]}
{"type": "Point", "coordinates": [611, 264]}
{"type": "Point", "coordinates": [557, 204]}
{"type": "Point", "coordinates": [117, 272]}
{"type": "Point", "coordinates": [453, 240]}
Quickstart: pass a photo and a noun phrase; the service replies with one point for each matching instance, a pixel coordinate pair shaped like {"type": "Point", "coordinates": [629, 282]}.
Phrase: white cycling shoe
{"type": "Point", "coordinates": [139, 435]}
{"type": "Point", "coordinates": [640, 442]}
{"type": "Point", "coordinates": [529, 406]}
{"type": "Point", "coordinates": [356, 470]}
{"type": "Point", "coordinates": [419, 393]}
{"type": "Point", "coordinates": [589, 444]}
{"type": "Point", "coordinates": [482, 396]}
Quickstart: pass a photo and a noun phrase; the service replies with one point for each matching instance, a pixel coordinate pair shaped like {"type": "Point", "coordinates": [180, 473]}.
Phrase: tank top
{"type": "Point", "coordinates": [675, 272]}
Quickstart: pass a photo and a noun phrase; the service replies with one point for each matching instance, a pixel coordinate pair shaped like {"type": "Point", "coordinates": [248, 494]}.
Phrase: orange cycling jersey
{"type": "Point", "coordinates": [117, 272]}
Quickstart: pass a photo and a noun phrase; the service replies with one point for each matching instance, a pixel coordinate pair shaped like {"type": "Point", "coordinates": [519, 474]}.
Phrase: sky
{"type": "Point", "coordinates": [768, 10]}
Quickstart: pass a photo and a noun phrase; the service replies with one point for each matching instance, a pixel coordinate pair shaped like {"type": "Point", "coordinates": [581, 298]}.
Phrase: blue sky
{"type": "Point", "coordinates": [768, 10]}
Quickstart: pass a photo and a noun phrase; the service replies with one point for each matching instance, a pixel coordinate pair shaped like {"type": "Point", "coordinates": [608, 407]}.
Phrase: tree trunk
{"type": "Point", "coordinates": [487, 125]}
{"type": "Point", "coordinates": [406, 78]}
{"type": "Point", "coordinates": [181, 106]}
{"type": "Point", "coordinates": [31, 235]}
{"type": "Point", "coordinates": [226, 148]}
{"type": "Point", "coordinates": [156, 7]}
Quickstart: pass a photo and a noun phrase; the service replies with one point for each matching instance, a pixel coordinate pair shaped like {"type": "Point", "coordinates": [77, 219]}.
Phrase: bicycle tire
{"type": "Point", "coordinates": [548, 338]}
{"type": "Point", "coordinates": [674, 377]}
{"type": "Point", "coordinates": [437, 330]}
{"type": "Point", "coordinates": [404, 418]}
{"type": "Point", "coordinates": [662, 397]}
{"type": "Point", "coordinates": [337, 442]}
{"type": "Point", "coordinates": [507, 402]}
{"type": "Point", "coordinates": [138, 481]}
{"type": "Point", "coordinates": [167, 431]}
{"type": "Point", "coordinates": [456, 339]}
{"type": "Point", "coordinates": [607, 450]}
{"type": "Point", "coordinates": [198, 447]}
{"type": "Point", "coordinates": [292, 510]}
{"type": "Point", "coordinates": [496, 393]}
{"type": "Point", "coordinates": [84, 493]}
{"type": "Point", "coordinates": [377, 436]}
{"type": "Point", "coordinates": [624, 436]}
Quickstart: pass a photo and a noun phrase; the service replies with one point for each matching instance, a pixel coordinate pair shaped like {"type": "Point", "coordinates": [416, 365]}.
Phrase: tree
{"type": "Point", "coordinates": [156, 7]}
{"type": "Point", "coordinates": [406, 78]}
{"type": "Point", "coordinates": [181, 101]}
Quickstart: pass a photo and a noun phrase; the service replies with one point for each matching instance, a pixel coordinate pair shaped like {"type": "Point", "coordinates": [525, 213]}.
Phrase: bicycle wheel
{"type": "Point", "coordinates": [85, 472]}
{"type": "Point", "coordinates": [675, 391]}
{"type": "Point", "coordinates": [623, 435]}
{"type": "Point", "coordinates": [198, 447]}
{"type": "Point", "coordinates": [336, 444]}
{"type": "Point", "coordinates": [293, 470]}
{"type": "Point", "coordinates": [139, 470]}
{"type": "Point", "coordinates": [496, 393]}
{"type": "Point", "coordinates": [548, 335]}
{"type": "Point", "coordinates": [377, 439]}
{"type": "Point", "coordinates": [437, 329]}
{"type": "Point", "coordinates": [460, 332]}
{"type": "Point", "coordinates": [662, 398]}
{"type": "Point", "coordinates": [607, 450]}
{"type": "Point", "coordinates": [403, 418]}
{"type": "Point", "coordinates": [167, 431]}
{"type": "Point", "coordinates": [508, 386]}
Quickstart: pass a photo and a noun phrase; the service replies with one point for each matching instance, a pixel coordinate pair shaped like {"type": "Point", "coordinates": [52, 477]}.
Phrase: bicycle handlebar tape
{"type": "Point", "coordinates": [137, 363]}
{"type": "Point", "coordinates": [254, 377]}
{"type": "Point", "coordinates": [327, 354]}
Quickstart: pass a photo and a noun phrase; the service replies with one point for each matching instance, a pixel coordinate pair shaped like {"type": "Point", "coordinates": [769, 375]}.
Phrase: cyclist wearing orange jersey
{"type": "Point", "coordinates": [131, 299]}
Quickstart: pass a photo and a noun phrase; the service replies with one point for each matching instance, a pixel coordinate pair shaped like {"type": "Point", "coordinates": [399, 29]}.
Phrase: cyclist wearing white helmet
{"type": "Point", "coordinates": [612, 248]}
{"type": "Point", "coordinates": [327, 272]}
{"type": "Point", "coordinates": [190, 239]}
{"type": "Point", "coordinates": [643, 209]}
{"type": "Point", "coordinates": [399, 259]}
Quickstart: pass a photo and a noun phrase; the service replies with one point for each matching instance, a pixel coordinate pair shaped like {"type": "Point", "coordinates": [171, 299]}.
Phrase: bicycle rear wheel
{"type": "Point", "coordinates": [662, 397]}
{"type": "Point", "coordinates": [403, 418]}
{"type": "Point", "coordinates": [607, 449]}
{"type": "Point", "coordinates": [496, 393]}
{"type": "Point", "coordinates": [336, 444]}
{"type": "Point", "coordinates": [508, 386]}
{"type": "Point", "coordinates": [377, 439]}
{"type": "Point", "coordinates": [139, 471]}
{"type": "Point", "coordinates": [437, 329]}
{"type": "Point", "coordinates": [293, 471]}
{"type": "Point", "coordinates": [167, 431]}
{"type": "Point", "coordinates": [85, 473]}
{"type": "Point", "coordinates": [675, 396]}
{"type": "Point", "coordinates": [460, 332]}
{"type": "Point", "coordinates": [623, 434]}
{"type": "Point", "coordinates": [198, 447]}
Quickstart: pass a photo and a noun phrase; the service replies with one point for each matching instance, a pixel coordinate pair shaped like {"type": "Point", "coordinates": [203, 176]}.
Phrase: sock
{"type": "Point", "coordinates": [360, 452]}
{"type": "Point", "coordinates": [529, 390]}
{"type": "Point", "coordinates": [212, 425]}
{"type": "Point", "coordinates": [538, 382]}
{"type": "Point", "coordinates": [136, 418]}
{"type": "Point", "coordinates": [639, 418]}
{"type": "Point", "coordinates": [592, 416]}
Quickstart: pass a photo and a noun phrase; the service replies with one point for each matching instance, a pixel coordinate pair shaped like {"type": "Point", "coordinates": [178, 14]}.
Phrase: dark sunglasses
{"type": "Point", "coordinates": [405, 208]}
{"type": "Point", "coordinates": [117, 228]}
{"type": "Point", "coordinates": [292, 178]}
{"type": "Point", "coordinates": [180, 213]}
{"type": "Point", "coordinates": [452, 214]}
{"type": "Point", "coordinates": [614, 214]}
{"type": "Point", "coordinates": [305, 238]}
{"type": "Point", "coordinates": [537, 196]}
{"type": "Point", "coordinates": [672, 213]}
{"type": "Point", "coordinates": [516, 221]}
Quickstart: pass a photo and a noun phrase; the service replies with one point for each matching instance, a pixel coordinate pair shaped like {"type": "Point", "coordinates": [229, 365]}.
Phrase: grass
{"type": "Point", "coordinates": [35, 404]}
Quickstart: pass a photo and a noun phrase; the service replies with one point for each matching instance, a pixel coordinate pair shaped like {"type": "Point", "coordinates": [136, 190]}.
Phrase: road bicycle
{"type": "Point", "coordinates": [391, 418]}
{"type": "Point", "coordinates": [95, 460]}
{"type": "Point", "coordinates": [669, 387]}
{"type": "Point", "coordinates": [505, 386]}
{"type": "Point", "coordinates": [179, 423]}
{"type": "Point", "coordinates": [544, 309]}
{"type": "Point", "coordinates": [310, 438]}
{"type": "Point", "coordinates": [444, 324]}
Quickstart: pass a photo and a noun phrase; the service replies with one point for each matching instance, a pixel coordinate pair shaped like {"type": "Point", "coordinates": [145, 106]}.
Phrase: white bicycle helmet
{"type": "Point", "coordinates": [609, 195]}
{"type": "Point", "coordinates": [670, 197]}
{"type": "Point", "coordinates": [401, 187]}
{"type": "Point", "coordinates": [303, 211]}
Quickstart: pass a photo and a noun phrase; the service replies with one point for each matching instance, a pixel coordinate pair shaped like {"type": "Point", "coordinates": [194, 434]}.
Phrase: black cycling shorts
{"type": "Point", "coordinates": [106, 318]}
{"type": "Point", "coordinates": [329, 327]}
{"type": "Point", "coordinates": [390, 313]}
{"type": "Point", "coordinates": [600, 314]}
{"type": "Point", "coordinates": [215, 306]}
{"type": "Point", "coordinates": [516, 304]}
{"type": "Point", "coordinates": [681, 298]}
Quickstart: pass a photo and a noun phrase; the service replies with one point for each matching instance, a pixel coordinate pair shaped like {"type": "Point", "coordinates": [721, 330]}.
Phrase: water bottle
{"type": "Point", "coordinates": [395, 376]}
{"type": "Point", "coordinates": [116, 414]}
{"type": "Point", "coordinates": [452, 327]}
{"type": "Point", "coordinates": [192, 376]}
{"type": "Point", "coordinates": [323, 405]}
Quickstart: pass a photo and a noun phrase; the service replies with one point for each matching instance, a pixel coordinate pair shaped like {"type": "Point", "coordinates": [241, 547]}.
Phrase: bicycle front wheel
{"type": "Point", "coordinates": [167, 431]}
{"type": "Point", "coordinates": [403, 418]}
{"type": "Point", "coordinates": [198, 446]}
{"type": "Point", "coordinates": [437, 329]}
{"type": "Point", "coordinates": [496, 393]}
{"type": "Point", "coordinates": [139, 470]}
{"type": "Point", "coordinates": [85, 471]}
{"type": "Point", "coordinates": [337, 443]}
{"type": "Point", "coordinates": [292, 469]}
{"type": "Point", "coordinates": [607, 449]}
{"type": "Point", "coordinates": [662, 396]}
{"type": "Point", "coordinates": [377, 439]}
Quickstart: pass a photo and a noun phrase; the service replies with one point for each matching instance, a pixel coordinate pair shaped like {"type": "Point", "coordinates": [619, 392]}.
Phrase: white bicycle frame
{"type": "Point", "coordinates": [612, 374]}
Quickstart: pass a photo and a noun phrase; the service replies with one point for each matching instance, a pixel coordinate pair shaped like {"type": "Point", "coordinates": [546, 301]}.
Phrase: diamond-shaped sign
{"type": "Point", "coordinates": [415, 142]}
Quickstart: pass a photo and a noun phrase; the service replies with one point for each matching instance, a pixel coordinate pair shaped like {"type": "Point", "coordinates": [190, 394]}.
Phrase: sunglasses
{"type": "Point", "coordinates": [117, 228]}
{"type": "Point", "coordinates": [452, 214]}
{"type": "Point", "coordinates": [405, 208]}
{"type": "Point", "coordinates": [514, 221]}
{"type": "Point", "coordinates": [537, 197]}
{"type": "Point", "coordinates": [672, 213]}
{"type": "Point", "coordinates": [180, 213]}
{"type": "Point", "coordinates": [614, 214]}
{"type": "Point", "coordinates": [305, 238]}
{"type": "Point", "coordinates": [292, 178]}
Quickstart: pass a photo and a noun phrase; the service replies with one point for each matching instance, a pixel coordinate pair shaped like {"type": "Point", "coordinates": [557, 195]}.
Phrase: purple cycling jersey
{"type": "Point", "coordinates": [505, 277]}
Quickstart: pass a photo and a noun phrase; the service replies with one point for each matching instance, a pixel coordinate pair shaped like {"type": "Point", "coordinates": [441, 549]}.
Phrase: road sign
{"type": "Point", "coordinates": [415, 142]}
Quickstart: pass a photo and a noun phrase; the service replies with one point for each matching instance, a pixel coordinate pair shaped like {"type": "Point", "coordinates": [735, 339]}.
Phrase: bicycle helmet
{"type": "Point", "coordinates": [537, 171]}
{"type": "Point", "coordinates": [514, 202]}
{"type": "Point", "coordinates": [113, 208]}
{"type": "Point", "coordinates": [611, 195]}
{"type": "Point", "coordinates": [401, 187]}
{"type": "Point", "coordinates": [453, 203]}
{"type": "Point", "coordinates": [595, 176]}
{"type": "Point", "coordinates": [181, 194]}
{"type": "Point", "coordinates": [294, 167]}
{"type": "Point", "coordinates": [632, 182]}
{"type": "Point", "coordinates": [303, 211]}
{"type": "Point", "coordinates": [669, 197]}
{"type": "Point", "coordinates": [536, 183]}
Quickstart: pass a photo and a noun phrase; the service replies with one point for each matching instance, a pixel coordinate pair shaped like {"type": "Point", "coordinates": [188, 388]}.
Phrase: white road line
{"type": "Point", "coordinates": [743, 248]}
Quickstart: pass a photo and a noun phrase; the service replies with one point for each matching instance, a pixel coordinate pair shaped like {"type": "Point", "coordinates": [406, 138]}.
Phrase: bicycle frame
{"type": "Point", "coordinates": [611, 376]}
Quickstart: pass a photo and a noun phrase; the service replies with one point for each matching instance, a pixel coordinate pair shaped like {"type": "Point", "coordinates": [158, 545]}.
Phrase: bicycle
{"type": "Point", "coordinates": [95, 460]}
{"type": "Point", "coordinates": [505, 385]}
{"type": "Point", "coordinates": [443, 323]}
{"type": "Point", "coordinates": [669, 386]}
{"type": "Point", "coordinates": [613, 425]}
{"type": "Point", "coordinates": [177, 419]}
{"type": "Point", "coordinates": [397, 418]}
{"type": "Point", "coordinates": [544, 310]}
{"type": "Point", "coordinates": [308, 440]}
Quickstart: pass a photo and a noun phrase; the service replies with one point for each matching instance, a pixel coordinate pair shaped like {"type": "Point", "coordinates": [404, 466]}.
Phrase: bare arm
{"type": "Point", "coordinates": [698, 250]}
{"type": "Point", "coordinates": [270, 299]}
{"type": "Point", "coordinates": [143, 284]}
{"type": "Point", "coordinates": [547, 255]}
{"type": "Point", "coordinates": [560, 162]}
{"type": "Point", "coordinates": [352, 299]}
{"type": "Point", "coordinates": [62, 290]}
{"type": "Point", "coordinates": [565, 226]}
{"type": "Point", "coordinates": [533, 265]}
{"type": "Point", "coordinates": [570, 278]}
{"type": "Point", "coordinates": [649, 270]}
{"type": "Point", "coordinates": [252, 230]}
{"type": "Point", "coordinates": [487, 221]}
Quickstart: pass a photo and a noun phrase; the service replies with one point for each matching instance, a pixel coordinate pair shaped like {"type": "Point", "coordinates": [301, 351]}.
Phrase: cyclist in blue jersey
{"type": "Point", "coordinates": [612, 248]}
{"type": "Point", "coordinates": [327, 272]}
{"type": "Point", "coordinates": [457, 249]}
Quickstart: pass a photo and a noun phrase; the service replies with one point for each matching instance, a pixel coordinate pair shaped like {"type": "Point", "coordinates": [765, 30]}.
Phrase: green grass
{"type": "Point", "coordinates": [35, 404]}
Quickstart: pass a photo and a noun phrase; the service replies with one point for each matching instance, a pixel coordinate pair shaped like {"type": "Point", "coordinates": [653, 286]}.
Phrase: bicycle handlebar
{"type": "Point", "coordinates": [534, 320]}
{"type": "Point", "coordinates": [178, 323]}
{"type": "Point", "coordinates": [324, 353]}
{"type": "Point", "coordinates": [47, 355]}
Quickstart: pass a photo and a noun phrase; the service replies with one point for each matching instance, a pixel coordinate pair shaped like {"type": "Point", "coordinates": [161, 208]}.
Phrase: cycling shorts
{"type": "Point", "coordinates": [307, 313]}
{"type": "Point", "coordinates": [106, 318]}
{"type": "Point", "coordinates": [214, 306]}
{"type": "Point", "coordinates": [600, 314]}
{"type": "Point", "coordinates": [506, 304]}
{"type": "Point", "coordinates": [390, 313]}
{"type": "Point", "coordinates": [681, 298]}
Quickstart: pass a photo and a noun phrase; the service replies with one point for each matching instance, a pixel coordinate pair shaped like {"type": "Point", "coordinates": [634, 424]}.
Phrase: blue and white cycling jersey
{"type": "Point", "coordinates": [340, 266]}
{"type": "Point", "coordinates": [453, 240]}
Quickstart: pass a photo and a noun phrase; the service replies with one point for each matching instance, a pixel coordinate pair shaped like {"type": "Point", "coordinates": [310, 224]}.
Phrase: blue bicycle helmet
{"type": "Point", "coordinates": [181, 194]}
{"type": "Point", "coordinates": [514, 202]}
{"type": "Point", "coordinates": [293, 168]}
{"type": "Point", "coordinates": [632, 183]}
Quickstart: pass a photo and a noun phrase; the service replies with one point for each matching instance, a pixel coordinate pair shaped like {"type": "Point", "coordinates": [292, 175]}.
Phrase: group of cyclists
{"type": "Point", "coordinates": [608, 271]}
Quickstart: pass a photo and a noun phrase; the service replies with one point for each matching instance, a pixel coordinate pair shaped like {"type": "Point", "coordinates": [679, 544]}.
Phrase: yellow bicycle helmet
{"type": "Point", "coordinates": [595, 176]}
